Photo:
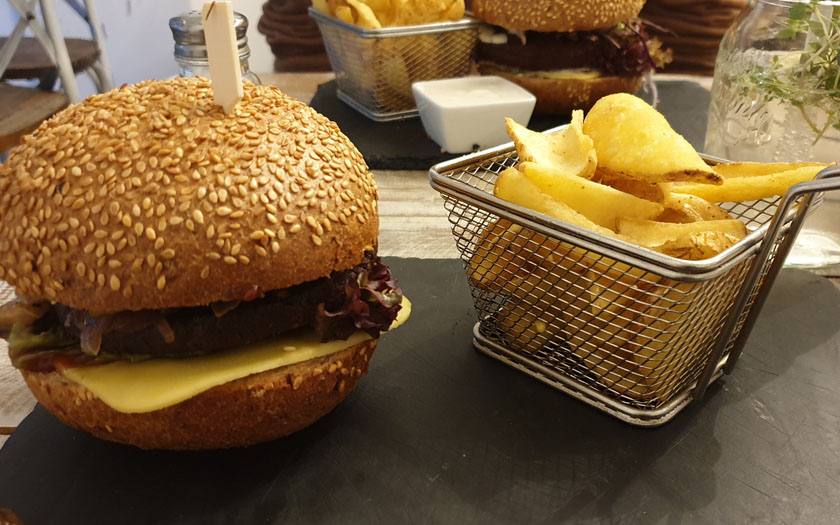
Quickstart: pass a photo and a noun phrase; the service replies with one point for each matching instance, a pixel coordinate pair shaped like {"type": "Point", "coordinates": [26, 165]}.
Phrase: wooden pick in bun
{"type": "Point", "coordinates": [567, 53]}
{"type": "Point", "coordinates": [143, 218]}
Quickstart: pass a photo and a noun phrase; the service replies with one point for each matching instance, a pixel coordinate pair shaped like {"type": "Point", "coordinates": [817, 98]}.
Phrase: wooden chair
{"type": "Point", "coordinates": [54, 48]}
{"type": "Point", "coordinates": [47, 56]}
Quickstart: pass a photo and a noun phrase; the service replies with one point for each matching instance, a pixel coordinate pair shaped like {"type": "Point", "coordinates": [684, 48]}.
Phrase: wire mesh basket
{"type": "Point", "coordinates": [374, 68]}
{"type": "Point", "coordinates": [633, 332]}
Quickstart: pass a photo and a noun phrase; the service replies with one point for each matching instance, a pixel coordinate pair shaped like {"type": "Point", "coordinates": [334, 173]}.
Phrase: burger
{"type": "Point", "coordinates": [567, 53]}
{"type": "Point", "coordinates": [187, 278]}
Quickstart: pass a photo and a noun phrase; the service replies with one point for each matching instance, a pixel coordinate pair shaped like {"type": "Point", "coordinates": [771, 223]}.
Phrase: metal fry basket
{"type": "Point", "coordinates": [374, 68]}
{"type": "Point", "coordinates": [630, 331]}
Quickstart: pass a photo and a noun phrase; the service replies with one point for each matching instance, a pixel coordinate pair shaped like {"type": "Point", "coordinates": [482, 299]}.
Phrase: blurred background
{"type": "Point", "coordinates": [129, 22]}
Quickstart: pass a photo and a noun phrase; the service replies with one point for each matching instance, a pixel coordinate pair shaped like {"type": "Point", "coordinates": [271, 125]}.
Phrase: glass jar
{"type": "Point", "coordinates": [776, 98]}
{"type": "Point", "coordinates": [191, 50]}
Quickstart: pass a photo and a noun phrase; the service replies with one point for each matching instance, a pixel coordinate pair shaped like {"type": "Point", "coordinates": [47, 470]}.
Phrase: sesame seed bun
{"type": "Point", "coordinates": [254, 409]}
{"type": "Point", "coordinates": [554, 15]}
{"type": "Point", "coordinates": [150, 197]}
{"type": "Point", "coordinates": [558, 95]}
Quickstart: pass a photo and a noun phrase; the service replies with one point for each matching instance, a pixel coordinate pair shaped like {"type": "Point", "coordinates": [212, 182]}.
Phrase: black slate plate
{"type": "Point", "coordinates": [439, 433]}
{"type": "Point", "coordinates": [404, 145]}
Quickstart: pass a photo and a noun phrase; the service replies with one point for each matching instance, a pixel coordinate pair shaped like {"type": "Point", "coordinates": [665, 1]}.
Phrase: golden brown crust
{"type": "Point", "coordinates": [559, 96]}
{"type": "Point", "coordinates": [553, 15]}
{"type": "Point", "coordinates": [250, 410]}
{"type": "Point", "coordinates": [143, 196]}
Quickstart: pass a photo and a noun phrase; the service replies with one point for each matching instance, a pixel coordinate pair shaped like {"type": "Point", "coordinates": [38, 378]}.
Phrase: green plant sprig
{"type": "Point", "coordinates": [813, 81]}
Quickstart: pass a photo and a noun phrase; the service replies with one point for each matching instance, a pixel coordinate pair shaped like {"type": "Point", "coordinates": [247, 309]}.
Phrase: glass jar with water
{"type": "Point", "coordinates": [776, 98]}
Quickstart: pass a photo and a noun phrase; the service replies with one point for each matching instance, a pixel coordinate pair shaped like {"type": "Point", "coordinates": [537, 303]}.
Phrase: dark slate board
{"type": "Point", "coordinates": [404, 145]}
{"type": "Point", "coordinates": [439, 433]}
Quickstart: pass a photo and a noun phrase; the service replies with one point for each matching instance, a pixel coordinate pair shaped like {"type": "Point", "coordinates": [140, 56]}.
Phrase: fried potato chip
{"type": "Point", "coordinates": [682, 207]}
{"type": "Point", "coordinates": [322, 6]}
{"type": "Point", "coordinates": [364, 15]}
{"type": "Point", "coordinates": [567, 150]}
{"type": "Point", "coordinates": [752, 169]}
{"type": "Point", "coordinates": [635, 141]}
{"type": "Point", "coordinates": [515, 187]}
{"type": "Point", "coordinates": [751, 187]}
{"type": "Point", "coordinates": [597, 202]}
{"type": "Point", "coordinates": [687, 239]}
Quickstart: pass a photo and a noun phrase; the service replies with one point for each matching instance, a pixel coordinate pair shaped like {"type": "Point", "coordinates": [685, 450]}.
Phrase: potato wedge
{"type": "Point", "coordinates": [599, 203]}
{"type": "Point", "coordinates": [694, 240]}
{"type": "Point", "coordinates": [698, 245]}
{"type": "Point", "coordinates": [682, 208]}
{"type": "Point", "coordinates": [752, 169]}
{"type": "Point", "coordinates": [567, 150]}
{"type": "Point", "coordinates": [513, 186]}
{"type": "Point", "coordinates": [635, 141]}
{"type": "Point", "coordinates": [651, 191]}
{"type": "Point", "coordinates": [751, 187]}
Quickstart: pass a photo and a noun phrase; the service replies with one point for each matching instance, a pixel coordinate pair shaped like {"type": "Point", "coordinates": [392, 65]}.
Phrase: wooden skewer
{"type": "Point", "coordinates": [222, 53]}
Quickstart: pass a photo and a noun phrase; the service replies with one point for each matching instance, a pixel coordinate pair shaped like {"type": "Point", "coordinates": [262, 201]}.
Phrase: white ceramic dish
{"type": "Point", "coordinates": [461, 114]}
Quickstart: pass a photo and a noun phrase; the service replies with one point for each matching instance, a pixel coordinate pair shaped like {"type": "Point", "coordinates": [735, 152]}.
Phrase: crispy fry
{"type": "Point", "coordinates": [515, 187]}
{"type": "Point", "coordinates": [364, 15]}
{"type": "Point", "coordinates": [599, 203]}
{"type": "Point", "coordinates": [752, 169]}
{"type": "Point", "coordinates": [752, 187]}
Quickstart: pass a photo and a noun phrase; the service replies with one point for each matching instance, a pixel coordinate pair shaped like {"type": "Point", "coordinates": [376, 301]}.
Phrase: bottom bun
{"type": "Point", "coordinates": [250, 410]}
{"type": "Point", "coordinates": [560, 95]}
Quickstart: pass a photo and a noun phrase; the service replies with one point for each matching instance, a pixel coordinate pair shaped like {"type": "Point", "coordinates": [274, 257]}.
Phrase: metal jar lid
{"type": "Point", "coordinates": [188, 32]}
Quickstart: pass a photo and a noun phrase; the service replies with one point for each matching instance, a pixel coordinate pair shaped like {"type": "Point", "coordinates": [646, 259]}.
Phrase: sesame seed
{"type": "Point", "coordinates": [229, 260]}
{"type": "Point", "coordinates": [161, 282]}
{"type": "Point", "coordinates": [115, 283]}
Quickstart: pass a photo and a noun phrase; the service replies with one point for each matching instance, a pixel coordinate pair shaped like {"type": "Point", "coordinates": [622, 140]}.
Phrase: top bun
{"type": "Point", "coordinates": [150, 196]}
{"type": "Point", "coordinates": [556, 15]}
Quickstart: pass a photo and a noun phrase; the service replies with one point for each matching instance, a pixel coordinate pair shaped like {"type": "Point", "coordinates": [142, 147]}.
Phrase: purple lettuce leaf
{"type": "Point", "coordinates": [371, 302]}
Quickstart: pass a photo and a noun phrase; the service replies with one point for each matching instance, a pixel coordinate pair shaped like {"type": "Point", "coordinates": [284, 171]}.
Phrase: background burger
{"type": "Point", "coordinates": [187, 278]}
{"type": "Point", "coordinates": [567, 53]}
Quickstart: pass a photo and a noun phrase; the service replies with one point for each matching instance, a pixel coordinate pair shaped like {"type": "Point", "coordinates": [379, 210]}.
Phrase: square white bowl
{"type": "Point", "coordinates": [461, 114]}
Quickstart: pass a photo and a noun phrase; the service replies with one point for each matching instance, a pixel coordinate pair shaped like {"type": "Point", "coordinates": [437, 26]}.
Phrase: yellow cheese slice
{"type": "Point", "coordinates": [158, 383]}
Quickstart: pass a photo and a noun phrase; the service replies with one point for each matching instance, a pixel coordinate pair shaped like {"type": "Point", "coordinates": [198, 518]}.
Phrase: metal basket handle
{"type": "Point", "coordinates": [826, 180]}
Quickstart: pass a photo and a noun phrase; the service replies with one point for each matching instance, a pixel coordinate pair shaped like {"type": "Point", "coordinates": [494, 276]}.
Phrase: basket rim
{"type": "Point", "coordinates": [622, 251]}
{"type": "Point", "coordinates": [467, 22]}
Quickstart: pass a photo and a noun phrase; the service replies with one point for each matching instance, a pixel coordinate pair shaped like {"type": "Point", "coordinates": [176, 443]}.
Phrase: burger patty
{"type": "Point", "coordinates": [200, 330]}
{"type": "Point", "coordinates": [625, 50]}
{"type": "Point", "coordinates": [548, 51]}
